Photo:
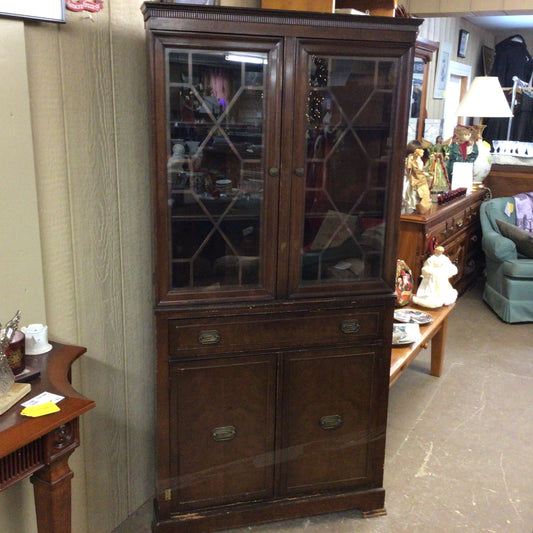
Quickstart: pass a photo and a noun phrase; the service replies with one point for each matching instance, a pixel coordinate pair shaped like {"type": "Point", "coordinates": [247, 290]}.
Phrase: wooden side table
{"type": "Point", "coordinates": [403, 356]}
{"type": "Point", "coordinates": [40, 447]}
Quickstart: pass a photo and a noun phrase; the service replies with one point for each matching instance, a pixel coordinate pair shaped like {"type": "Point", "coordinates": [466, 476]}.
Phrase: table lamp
{"type": "Point", "coordinates": [484, 99]}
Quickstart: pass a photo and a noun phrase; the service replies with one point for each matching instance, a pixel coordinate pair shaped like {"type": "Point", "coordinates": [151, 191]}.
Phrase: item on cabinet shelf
{"type": "Point", "coordinates": [36, 339]}
{"type": "Point", "coordinates": [513, 148]}
{"type": "Point", "coordinates": [380, 8]}
{"type": "Point", "coordinates": [463, 148]}
{"type": "Point", "coordinates": [463, 174]}
{"type": "Point", "coordinates": [175, 164]}
{"type": "Point", "coordinates": [412, 315]}
{"type": "Point", "coordinates": [436, 169]}
{"type": "Point", "coordinates": [27, 374]}
{"type": "Point", "coordinates": [416, 190]}
{"type": "Point", "coordinates": [321, 6]}
{"type": "Point", "coordinates": [405, 333]}
{"type": "Point", "coordinates": [15, 353]}
{"type": "Point", "coordinates": [223, 186]}
{"type": "Point", "coordinates": [435, 290]}
{"type": "Point", "coordinates": [335, 229]}
{"type": "Point", "coordinates": [404, 283]}
{"type": "Point", "coordinates": [7, 378]}
{"type": "Point", "coordinates": [451, 195]}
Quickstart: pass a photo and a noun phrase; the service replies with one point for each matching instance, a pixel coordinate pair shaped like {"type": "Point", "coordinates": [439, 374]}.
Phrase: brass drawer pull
{"type": "Point", "coordinates": [209, 336]}
{"type": "Point", "coordinates": [459, 224]}
{"type": "Point", "coordinates": [300, 172]}
{"type": "Point", "coordinates": [350, 326]}
{"type": "Point", "coordinates": [330, 422]}
{"type": "Point", "coordinates": [273, 172]}
{"type": "Point", "coordinates": [224, 433]}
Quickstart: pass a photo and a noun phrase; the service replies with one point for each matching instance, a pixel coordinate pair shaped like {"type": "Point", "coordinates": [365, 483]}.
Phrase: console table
{"type": "Point", "coordinates": [403, 356]}
{"type": "Point", "coordinates": [40, 447]}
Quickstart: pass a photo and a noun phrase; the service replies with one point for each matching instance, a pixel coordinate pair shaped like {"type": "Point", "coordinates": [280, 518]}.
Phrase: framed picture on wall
{"type": "Point", "coordinates": [442, 71]}
{"type": "Point", "coordinates": [488, 59]}
{"type": "Point", "coordinates": [47, 10]}
{"type": "Point", "coordinates": [463, 43]}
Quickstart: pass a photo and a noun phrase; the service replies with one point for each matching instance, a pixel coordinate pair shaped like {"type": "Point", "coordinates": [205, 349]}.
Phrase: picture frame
{"type": "Point", "coordinates": [462, 45]}
{"type": "Point", "coordinates": [45, 10]}
{"type": "Point", "coordinates": [487, 54]}
{"type": "Point", "coordinates": [442, 71]}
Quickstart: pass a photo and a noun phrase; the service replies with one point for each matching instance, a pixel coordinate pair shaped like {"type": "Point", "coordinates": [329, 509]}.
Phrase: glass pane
{"type": "Point", "coordinates": [215, 167]}
{"type": "Point", "coordinates": [349, 121]}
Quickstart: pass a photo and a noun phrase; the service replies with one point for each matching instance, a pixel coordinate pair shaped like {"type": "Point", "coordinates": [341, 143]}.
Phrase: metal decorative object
{"type": "Point", "coordinates": [7, 377]}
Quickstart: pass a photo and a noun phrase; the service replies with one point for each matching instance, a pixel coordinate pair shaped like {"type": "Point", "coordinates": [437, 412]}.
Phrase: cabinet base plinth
{"type": "Point", "coordinates": [374, 512]}
{"type": "Point", "coordinates": [370, 503]}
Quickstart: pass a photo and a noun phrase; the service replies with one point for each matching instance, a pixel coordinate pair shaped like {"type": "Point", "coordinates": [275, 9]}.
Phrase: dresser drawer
{"type": "Point", "coordinates": [265, 332]}
{"type": "Point", "coordinates": [449, 228]}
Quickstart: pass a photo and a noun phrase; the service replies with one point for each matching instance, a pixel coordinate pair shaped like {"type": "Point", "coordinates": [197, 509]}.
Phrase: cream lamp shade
{"type": "Point", "coordinates": [484, 98]}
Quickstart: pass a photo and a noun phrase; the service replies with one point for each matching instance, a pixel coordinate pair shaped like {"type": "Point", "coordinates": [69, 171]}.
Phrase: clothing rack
{"type": "Point", "coordinates": [517, 85]}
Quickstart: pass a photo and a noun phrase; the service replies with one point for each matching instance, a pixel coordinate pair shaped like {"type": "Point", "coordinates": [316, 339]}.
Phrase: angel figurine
{"type": "Point", "coordinates": [416, 195]}
{"type": "Point", "coordinates": [435, 290]}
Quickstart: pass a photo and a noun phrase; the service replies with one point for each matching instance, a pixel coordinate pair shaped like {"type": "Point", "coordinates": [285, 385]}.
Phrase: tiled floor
{"type": "Point", "coordinates": [459, 447]}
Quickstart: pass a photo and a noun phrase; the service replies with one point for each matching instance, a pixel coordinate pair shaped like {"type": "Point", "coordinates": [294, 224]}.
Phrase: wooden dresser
{"type": "Point", "coordinates": [456, 227]}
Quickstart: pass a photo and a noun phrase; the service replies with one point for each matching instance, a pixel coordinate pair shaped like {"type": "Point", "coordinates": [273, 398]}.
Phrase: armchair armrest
{"type": "Point", "coordinates": [497, 247]}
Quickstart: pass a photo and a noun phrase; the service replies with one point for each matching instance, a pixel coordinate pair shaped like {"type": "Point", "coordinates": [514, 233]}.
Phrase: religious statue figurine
{"type": "Point", "coordinates": [416, 188]}
{"type": "Point", "coordinates": [435, 289]}
{"type": "Point", "coordinates": [436, 168]}
{"type": "Point", "coordinates": [175, 162]}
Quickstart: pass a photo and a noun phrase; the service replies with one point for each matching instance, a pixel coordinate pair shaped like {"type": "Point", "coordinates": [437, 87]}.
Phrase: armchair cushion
{"type": "Point", "coordinates": [521, 268]}
{"type": "Point", "coordinates": [523, 239]}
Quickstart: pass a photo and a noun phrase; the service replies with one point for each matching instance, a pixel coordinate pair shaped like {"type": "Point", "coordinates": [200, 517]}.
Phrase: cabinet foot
{"type": "Point", "coordinates": [374, 512]}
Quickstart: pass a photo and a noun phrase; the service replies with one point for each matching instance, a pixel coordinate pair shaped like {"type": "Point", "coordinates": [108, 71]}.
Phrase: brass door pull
{"type": "Point", "coordinates": [330, 422]}
{"type": "Point", "coordinates": [224, 433]}
{"type": "Point", "coordinates": [350, 326]}
{"type": "Point", "coordinates": [209, 336]}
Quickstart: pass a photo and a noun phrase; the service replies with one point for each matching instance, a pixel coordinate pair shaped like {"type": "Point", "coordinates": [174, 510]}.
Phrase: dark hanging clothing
{"type": "Point", "coordinates": [522, 125]}
{"type": "Point", "coordinates": [512, 58]}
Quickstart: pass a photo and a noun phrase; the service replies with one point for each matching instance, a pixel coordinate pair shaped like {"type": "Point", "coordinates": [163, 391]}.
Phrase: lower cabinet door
{"type": "Point", "coordinates": [332, 426]}
{"type": "Point", "coordinates": [222, 430]}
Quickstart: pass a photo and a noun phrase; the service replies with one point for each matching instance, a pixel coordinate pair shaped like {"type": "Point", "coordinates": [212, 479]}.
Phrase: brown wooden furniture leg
{"type": "Point", "coordinates": [437, 349]}
{"type": "Point", "coordinates": [51, 484]}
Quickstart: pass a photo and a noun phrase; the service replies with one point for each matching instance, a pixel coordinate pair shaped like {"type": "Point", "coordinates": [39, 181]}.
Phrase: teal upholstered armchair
{"type": "Point", "coordinates": [509, 284]}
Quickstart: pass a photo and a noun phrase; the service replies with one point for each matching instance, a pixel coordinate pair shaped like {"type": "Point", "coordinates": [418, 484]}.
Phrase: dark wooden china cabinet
{"type": "Point", "coordinates": [278, 168]}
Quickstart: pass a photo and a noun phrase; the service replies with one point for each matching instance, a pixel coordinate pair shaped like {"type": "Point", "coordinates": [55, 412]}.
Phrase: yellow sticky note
{"type": "Point", "coordinates": [40, 410]}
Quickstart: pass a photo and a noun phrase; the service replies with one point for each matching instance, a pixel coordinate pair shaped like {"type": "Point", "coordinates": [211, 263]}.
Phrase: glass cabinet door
{"type": "Point", "coordinates": [349, 126]}
{"type": "Point", "coordinates": [216, 103]}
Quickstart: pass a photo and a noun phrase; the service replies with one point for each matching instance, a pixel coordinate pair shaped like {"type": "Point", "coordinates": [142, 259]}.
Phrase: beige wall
{"type": "Point", "coordinates": [445, 30]}
{"type": "Point", "coordinates": [424, 8]}
{"type": "Point", "coordinates": [76, 227]}
{"type": "Point", "coordinates": [87, 205]}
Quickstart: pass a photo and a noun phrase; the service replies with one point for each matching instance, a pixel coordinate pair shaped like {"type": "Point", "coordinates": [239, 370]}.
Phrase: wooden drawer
{"type": "Point", "coordinates": [448, 229]}
{"type": "Point", "coordinates": [245, 333]}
